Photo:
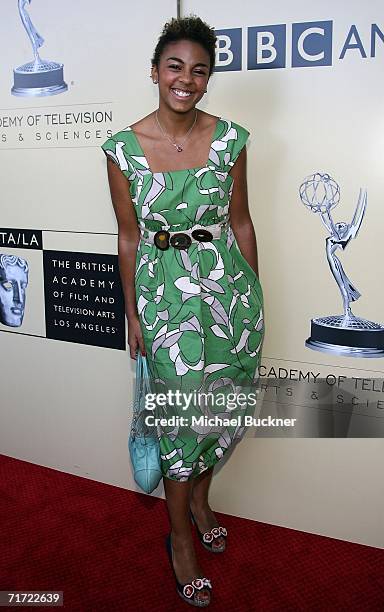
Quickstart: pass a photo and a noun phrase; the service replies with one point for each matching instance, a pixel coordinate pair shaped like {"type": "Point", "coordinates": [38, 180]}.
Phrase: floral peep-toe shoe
{"type": "Point", "coordinates": [208, 537]}
{"type": "Point", "coordinates": [189, 591]}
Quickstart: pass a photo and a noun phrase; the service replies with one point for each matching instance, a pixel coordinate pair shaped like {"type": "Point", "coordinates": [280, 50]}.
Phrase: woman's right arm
{"type": "Point", "coordinates": [128, 239]}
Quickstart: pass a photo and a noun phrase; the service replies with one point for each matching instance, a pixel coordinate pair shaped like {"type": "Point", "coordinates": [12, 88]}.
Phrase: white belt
{"type": "Point", "coordinates": [216, 229]}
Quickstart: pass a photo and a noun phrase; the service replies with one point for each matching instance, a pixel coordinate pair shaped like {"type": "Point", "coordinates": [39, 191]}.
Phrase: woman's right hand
{"type": "Point", "coordinates": [135, 336]}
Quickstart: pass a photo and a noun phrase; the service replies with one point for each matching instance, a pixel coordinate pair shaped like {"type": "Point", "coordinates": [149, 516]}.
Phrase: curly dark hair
{"type": "Point", "coordinates": [187, 28]}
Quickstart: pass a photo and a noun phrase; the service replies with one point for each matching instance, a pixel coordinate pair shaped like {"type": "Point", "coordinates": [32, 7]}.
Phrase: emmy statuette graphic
{"type": "Point", "coordinates": [38, 77]}
{"type": "Point", "coordinates": [344, 334]}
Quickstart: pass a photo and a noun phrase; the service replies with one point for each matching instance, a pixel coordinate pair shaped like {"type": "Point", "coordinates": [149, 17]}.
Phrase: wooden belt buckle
{"type": "Point", "coordinates": [180, 240]}
{"type": "Point", "coordinates": [161, 240]}
{"type": "Point", "coordinates": [202, 235]}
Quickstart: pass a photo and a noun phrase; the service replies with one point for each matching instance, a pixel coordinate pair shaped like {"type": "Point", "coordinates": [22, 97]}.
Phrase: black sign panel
{"type": "Point", "coordinates": [84, 301]}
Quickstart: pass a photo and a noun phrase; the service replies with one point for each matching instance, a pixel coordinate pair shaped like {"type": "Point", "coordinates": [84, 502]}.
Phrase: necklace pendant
{"type": "Point", "coordinates": [178, 147]}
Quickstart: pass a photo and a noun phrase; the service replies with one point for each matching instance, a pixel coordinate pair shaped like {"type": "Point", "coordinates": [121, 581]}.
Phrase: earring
{"type": "Point", "coordinates": [155, 82]}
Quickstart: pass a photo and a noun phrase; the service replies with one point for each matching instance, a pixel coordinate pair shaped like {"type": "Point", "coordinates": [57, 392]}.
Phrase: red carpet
{"type": "Point", "coordinates": [104, 547]}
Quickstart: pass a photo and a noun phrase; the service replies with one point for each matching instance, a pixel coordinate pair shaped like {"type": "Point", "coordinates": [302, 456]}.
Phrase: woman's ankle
{"type": "Point", "coordinates": [198, 505]}
{"type": "Point", "coordinates": [181, 537]}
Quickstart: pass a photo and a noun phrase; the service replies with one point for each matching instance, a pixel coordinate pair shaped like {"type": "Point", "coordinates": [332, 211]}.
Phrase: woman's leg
{"type": "Point", "coordinates": [203, 514]}
{"type": "Point", "coordinates": [184, 556]}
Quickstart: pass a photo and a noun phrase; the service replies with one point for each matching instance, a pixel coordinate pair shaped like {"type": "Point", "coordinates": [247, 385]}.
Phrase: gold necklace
{"type": "Point", "coordinates": [179, 146]}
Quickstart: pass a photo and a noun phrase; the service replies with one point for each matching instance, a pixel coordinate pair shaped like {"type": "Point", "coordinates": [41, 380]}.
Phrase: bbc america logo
{"type": "Point", "coordinates": [311, 45]}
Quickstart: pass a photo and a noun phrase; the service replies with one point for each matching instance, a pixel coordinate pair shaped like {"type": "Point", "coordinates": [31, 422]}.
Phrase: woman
{"type": "Point", "coordinates": [190, 280]}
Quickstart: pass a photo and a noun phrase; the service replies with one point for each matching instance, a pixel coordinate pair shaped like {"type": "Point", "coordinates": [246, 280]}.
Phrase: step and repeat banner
{"type": "Point", "coordinates": [306, 80]}
{"type": "Point", "coordinates": [306, 83]}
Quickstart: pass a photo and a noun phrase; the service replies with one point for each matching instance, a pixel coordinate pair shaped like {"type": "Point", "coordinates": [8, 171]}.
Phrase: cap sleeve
{"type": "Point", "coordinates": [241, 136]}
{"type": "Point", "coordinates": [109, 148]}
{"type": "Point", "coordinates": [114, 150]}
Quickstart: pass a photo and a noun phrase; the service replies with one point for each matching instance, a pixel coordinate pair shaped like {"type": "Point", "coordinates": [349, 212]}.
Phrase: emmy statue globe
{"type": "Point", "coordinates": [344, 334]}
{"type": "Point", "coordinates": [38, 77]}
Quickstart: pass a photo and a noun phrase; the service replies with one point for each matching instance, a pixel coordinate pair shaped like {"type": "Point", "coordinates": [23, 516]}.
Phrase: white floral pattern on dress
{"type": "Point", "coordinates": [200, 309]}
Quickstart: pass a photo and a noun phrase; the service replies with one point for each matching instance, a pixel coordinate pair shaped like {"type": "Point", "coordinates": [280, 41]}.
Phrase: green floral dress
{"type": "Point", "coordinates": [200, 308]}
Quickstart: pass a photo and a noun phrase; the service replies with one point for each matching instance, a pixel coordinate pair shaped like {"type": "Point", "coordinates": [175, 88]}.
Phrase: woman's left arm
{"type": "Point", "coordinates": [240, 218]}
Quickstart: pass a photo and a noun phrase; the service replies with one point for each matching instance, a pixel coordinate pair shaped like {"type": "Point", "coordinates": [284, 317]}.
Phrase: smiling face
{"type": "Point", "coordinates": [182, 74]}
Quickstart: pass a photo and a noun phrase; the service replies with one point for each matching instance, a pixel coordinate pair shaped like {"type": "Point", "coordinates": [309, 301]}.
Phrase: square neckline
{"type": "Point", "coordinates": [213, 140]}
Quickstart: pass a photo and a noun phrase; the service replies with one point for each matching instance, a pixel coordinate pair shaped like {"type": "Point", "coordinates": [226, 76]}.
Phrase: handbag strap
{"type": "Point", "coordinates": [142, 385]}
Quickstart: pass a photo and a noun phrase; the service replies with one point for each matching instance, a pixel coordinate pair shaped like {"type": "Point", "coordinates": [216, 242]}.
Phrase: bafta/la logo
{"type": "Point", "coordinates": [39, 77]}
{"type": "Point", "coordinates": [13, 286]}
{"type": "Point", "coordinates": [345, 334]}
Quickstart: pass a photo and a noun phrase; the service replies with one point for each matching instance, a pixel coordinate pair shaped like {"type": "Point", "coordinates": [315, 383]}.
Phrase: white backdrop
{"type": "Point", "coordinates": [66, 404]}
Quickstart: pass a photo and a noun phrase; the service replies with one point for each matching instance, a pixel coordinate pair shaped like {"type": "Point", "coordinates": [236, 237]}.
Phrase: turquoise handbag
{"type": "Point", "coordinates": [143, 443]}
